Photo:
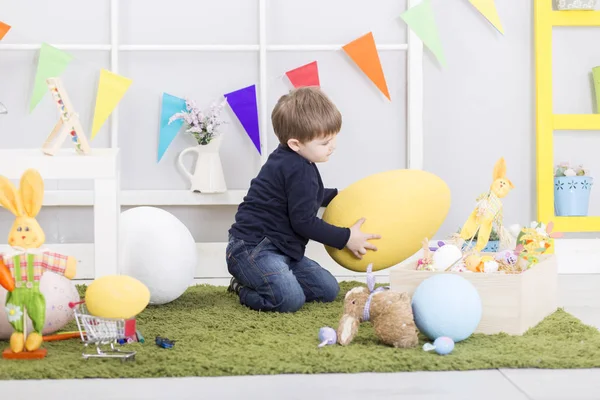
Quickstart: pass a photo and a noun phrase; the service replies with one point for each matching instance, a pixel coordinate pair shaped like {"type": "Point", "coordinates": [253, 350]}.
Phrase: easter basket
{"type": "Point", "coordinates": [518, 288]}
{"type": "Point", "coordinates": [511, 302]}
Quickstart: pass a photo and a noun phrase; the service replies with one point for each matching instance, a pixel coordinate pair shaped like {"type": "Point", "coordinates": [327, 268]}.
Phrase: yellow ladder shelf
{"type": "Point", "coordinates": [545, 18]}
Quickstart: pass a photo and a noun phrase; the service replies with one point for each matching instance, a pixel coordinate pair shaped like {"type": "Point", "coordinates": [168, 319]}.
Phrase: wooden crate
{"type": "Point", "coordinates": [512, 303]}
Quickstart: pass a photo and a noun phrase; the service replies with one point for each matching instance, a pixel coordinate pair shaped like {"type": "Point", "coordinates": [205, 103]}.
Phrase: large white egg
{"type": "Point", "coordinates": [157, 249]}
{"type": "Point", "coordinates": [445, 256]}
{"type": "Point", "coordinates": [58, 292]}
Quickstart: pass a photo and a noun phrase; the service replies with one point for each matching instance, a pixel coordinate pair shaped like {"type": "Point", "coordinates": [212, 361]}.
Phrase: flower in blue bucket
{"type": "Point", "coordinates": [572, 188]}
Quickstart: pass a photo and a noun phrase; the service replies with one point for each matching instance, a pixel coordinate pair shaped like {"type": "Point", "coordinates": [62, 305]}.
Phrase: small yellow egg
{"type": "Point", "coordinates": [116, 296]}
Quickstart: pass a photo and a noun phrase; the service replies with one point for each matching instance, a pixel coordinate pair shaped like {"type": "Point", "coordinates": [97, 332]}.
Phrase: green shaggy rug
{"type": "Point", "coordinates": [215, 335]}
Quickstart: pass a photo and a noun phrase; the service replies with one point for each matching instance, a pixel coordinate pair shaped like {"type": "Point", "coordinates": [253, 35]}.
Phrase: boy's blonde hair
{"type": "Point", "coordinates": [305, 114]}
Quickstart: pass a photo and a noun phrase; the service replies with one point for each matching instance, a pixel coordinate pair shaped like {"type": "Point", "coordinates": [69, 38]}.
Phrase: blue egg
{"type": "Point", "coordinates": [447, 305]}
{"type": "Point", "coordinates": [443, 345]}
{"type": "Point", "coordinates": [327, 336]}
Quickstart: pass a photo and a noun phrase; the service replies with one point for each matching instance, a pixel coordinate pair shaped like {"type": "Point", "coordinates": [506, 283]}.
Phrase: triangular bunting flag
{"type": "Point", "coordinates": [243, 103]}
{"type": "Point", "coordinates": [170, 105]}
{"type": "Point", "coordinates": [420, 19]}
{"type": "Point", "coordinates": [4, 28]}
{"type": "Point", "coordinates": [111, 89]}
{"type": "Point", "coordinates": [488, 9]}
{"type": "Point", "coordinates": [52, 62]}
{"type": "Point", "coordinates": [306, 75]}
{"type": "Point", "coordinates": [364, 53]}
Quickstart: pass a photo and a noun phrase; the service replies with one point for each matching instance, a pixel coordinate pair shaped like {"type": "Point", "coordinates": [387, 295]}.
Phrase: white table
{"type": "Point", "coordinates": [101, 166]}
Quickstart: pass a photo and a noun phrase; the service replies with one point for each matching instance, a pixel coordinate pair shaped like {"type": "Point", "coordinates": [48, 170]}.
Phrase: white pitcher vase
{"type": "Point", "coordinates": [208, 173]}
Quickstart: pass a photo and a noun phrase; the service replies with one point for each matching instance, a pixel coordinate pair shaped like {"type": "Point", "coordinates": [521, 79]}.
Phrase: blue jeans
{"type": "Point", "coordinates": [273, 281]}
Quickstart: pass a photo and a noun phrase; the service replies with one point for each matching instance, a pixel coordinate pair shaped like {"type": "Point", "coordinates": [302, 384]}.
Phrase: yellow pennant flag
{"type": "Point", "coordinates": [111, 89]}
{"type": "Point", "coordinates": [488, 9]}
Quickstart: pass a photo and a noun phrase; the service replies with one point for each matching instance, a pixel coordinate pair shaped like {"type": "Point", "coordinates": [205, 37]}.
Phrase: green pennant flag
{"type": "Point", "coordinates": [420, 19]}
{"type": "Point", "coordinates": [52, 62]}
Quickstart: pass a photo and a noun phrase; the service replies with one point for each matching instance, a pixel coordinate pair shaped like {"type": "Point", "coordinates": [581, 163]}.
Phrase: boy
{"type": "Point", "coordinates": [265, 253]}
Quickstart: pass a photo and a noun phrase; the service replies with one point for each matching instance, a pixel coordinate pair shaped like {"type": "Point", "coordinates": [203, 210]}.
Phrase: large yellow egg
{"type": "Point", "coordinates": [116, 296]}
{"type": "Point", "coordinates": [403, 206]}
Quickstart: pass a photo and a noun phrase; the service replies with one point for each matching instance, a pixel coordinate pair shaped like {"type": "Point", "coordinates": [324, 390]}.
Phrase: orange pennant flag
{"type": "Point", "coordinates": [364, 53]}
{"type": "Point", "coordinates": [4, 28]}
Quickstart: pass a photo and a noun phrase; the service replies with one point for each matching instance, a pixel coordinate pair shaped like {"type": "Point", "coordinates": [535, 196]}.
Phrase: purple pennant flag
{"type": "Point", "coordinates": [243, 104]}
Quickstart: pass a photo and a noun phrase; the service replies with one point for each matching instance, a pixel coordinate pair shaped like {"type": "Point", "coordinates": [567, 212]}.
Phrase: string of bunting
{"type": "Point", "coordinates": [112, 87]}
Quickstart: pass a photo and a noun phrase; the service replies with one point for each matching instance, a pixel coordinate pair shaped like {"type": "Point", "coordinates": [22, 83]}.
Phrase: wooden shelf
{"type": "Point", "coordinates": [544, 19]}
{"type": "Point", "coordinates": [146, 198]}
{"type": "Point", "coordinates": [180, 198]}
{"type": "Point", "coordinates": [575, 18]}
{"type": "Point", "coordinates": [577, 224]}
{"type": "Point", "coordinates": [573, 122]}
{"type": "Point", "coordinates": [66, 164]}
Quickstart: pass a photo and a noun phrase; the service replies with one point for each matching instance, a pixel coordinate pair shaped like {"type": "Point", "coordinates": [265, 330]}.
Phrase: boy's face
{"type": "Point", "coordinates": [317, 150]}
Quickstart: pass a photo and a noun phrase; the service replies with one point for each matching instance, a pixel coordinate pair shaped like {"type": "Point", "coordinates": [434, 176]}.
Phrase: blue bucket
{"type": "Point", "coordinates": [491, 247]}
{"type": "Point", "coordinates": [572, 195]}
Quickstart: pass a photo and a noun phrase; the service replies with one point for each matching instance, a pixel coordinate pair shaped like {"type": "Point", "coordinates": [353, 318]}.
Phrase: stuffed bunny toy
{"type": "Point", "coordinates": [489, 211]}
{"type": "Point", "coordinates": [27, 261]}
{"type": "Point", "coordinates": [389, 312]}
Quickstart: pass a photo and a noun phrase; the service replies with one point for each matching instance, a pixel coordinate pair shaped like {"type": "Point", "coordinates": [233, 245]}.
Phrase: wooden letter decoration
{"type": "Point", "coordinates": [68, 126]}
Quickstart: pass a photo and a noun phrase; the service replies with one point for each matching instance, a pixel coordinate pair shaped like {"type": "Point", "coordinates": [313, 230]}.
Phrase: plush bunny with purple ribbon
{"type": "Point", "coordinates": [389, 312]}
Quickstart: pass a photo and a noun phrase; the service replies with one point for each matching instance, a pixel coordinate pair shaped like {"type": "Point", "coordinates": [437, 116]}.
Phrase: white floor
{"type": "Point", "coordinates": [579, 295]}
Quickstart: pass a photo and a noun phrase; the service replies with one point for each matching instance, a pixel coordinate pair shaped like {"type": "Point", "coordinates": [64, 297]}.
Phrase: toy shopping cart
{"type": "Point", "coordinates": [103, 331]}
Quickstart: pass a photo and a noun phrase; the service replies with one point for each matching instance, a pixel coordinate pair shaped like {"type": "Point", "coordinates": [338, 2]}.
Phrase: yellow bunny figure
{"type": "Point", "coordinates": [488, 210]}
{"type": "Point", "coordinates": [26, 261]}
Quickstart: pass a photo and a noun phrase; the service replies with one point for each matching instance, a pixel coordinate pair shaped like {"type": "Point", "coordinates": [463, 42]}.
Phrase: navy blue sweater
{"type": "Point", "coordinates": [282, 204]}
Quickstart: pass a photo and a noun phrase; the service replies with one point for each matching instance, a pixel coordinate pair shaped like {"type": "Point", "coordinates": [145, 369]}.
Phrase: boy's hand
{"type": "Point", "coordinates": [357, 243]}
